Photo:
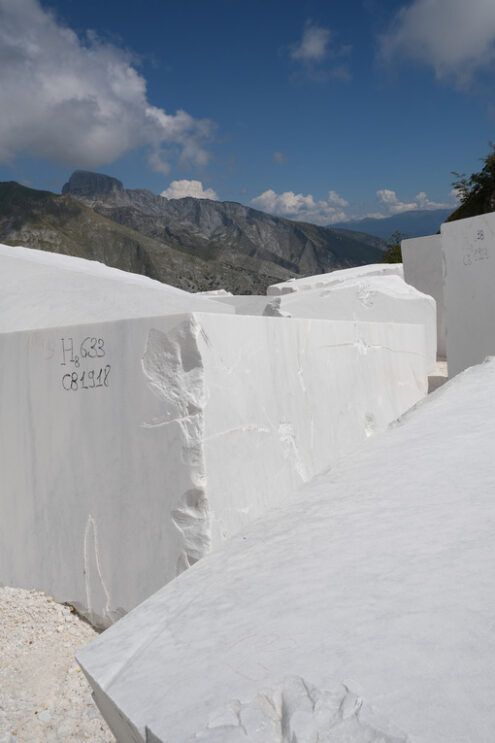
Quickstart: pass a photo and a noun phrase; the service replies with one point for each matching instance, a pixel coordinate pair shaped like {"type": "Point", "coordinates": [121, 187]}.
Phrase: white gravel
{"type": "Point", "coordinates": [44, 696]}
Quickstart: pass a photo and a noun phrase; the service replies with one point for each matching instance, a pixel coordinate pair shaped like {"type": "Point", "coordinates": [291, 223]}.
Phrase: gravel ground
{"type": "Point", "coordinates": [44, 696]}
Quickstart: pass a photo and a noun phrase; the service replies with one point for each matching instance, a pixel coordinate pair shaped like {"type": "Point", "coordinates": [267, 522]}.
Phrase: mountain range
{"type": "Point", "coordinates": [195, 244]}
{"type": "Point", "coordinates": [416, 223]}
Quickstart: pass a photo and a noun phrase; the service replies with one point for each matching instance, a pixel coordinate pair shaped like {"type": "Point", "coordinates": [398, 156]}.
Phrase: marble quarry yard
{"type": "Point", "coordinates": [249, 518]}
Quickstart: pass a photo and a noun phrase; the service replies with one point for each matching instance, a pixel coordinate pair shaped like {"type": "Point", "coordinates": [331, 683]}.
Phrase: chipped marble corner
{"type": "Point", "coordinates": [173, 367]}
{"type": "Point", "coordinates": [295, 711]}
{"type": "Point", "coordinates": [273, 309]}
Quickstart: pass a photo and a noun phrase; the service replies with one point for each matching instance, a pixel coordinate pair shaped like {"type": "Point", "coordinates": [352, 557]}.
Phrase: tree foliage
{"type": "Point", "coordinates": [476, 192]}
{"type": "Point", "coordinates": [393, 252]}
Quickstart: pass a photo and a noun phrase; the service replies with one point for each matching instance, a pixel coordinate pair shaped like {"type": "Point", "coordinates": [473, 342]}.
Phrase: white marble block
{"type": "Point", "coordinates": [423, 269]}
{"type": "Point", "coordinates": [130, 448]}
{"type": "Point", "coordinates": [324, 280]}
{"type": "Point", "coordinates": [371, 590]}
{"type": "Point", "coordinates": [382, 298]}
{"type": "Point", "coordinates": [468, 247]}
{"type": "Point", "coordinates": [246, 304]}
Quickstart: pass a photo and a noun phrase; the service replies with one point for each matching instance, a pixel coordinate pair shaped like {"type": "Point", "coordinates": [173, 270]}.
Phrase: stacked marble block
{"type": "Point", "coordinates": [143, 426]}
{"type": "Point", "coordinates": [423, 269]}
{"type": "Point", "coordinates": [468, 248]}
{"type": "Point", "coordinates": [457, 268]}
{"type": "Point", "coordinates": [374, 293]}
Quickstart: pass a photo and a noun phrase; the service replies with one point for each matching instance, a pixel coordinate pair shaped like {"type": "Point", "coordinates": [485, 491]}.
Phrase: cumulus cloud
{"type": "Point", "coordinates": [319, 56]}
{"type": "Point", "coordinates": [393, 205]}
{"type": "Point", "coordinates": [301, 207]}
{"type": "Point", "coordinates": [81, 102]}
{"type": "Point", "coordinates": [455, 37]}
{"type": "Point", "coordinates": [334, 198]}
{"type": "Point", "coordinates": [280, 158]}
{"type": "Point", "coordinates": [313, 46]}
{"type": "Point", "coordinates": [181, 189]}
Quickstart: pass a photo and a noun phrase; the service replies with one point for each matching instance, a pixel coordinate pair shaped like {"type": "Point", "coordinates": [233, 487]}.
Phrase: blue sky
{"type": "Point", "coordinates": [312, 110]}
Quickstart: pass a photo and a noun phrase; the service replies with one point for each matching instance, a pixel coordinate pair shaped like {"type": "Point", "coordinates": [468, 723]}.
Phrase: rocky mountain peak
{"type": "Point", "coordinates": [224, 234]}
{"type": "Point", "coordinates": [88, 185]}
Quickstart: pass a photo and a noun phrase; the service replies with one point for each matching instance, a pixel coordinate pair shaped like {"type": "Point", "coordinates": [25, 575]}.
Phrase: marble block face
{"type": "Point", "coordinates": [423, 269]}
{"type": "Point", "coordinates": [324, 280]}
{"type": "Point", "coordinates": [129, 449]}
{"type": "Point", "coordinates": [384, 298]}
{"type": "Point", "coordinates": [370, 298]}
{"type": "Point", "coordinates": [245, 304]}
{"type": "Point", "coordinates": [468, 247]}
{"type": "Point", "coordinates": [371, 589]}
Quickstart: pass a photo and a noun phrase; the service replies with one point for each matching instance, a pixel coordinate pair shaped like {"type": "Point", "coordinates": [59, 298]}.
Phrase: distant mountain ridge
{"type": "Point", "coordinates": [62, 224]}
{"type": "Point", "coordinates": [415, 223]}
{"type": "Point", "coordinates": [224, 231]}
{"type": "Point", "coordinates": [195, 244]}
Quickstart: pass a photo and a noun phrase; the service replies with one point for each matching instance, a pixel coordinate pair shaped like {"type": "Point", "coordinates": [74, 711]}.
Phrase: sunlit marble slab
{"type": "Point", "coordinates": [325, 280]}
{"type": "Point", "coordinates": [359, 611]}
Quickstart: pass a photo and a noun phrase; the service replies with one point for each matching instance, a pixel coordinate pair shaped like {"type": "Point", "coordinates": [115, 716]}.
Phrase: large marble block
{"type": "Point", "coordinates": [324, 280]}
{"type": "Point", "coordinates": [468, 247]}
{"type": "Point", "coordinates": [382, 298]}
{"type": "Point", "coordinates": [385, 297]}
{"type": "Point", "coordinates": [375, 583]}
{"type": "Point", "coordinates": [246, 304]}
{"type": "Point", "coordinates": [130, 448]}
{"type": "Point", "coordinates": [40, 289]}
{"type": "Point", "coordinates": [423, 269]}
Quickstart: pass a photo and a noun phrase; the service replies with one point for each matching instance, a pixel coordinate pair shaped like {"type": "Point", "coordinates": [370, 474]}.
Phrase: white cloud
{"type": "Point", "coordinates": [455, 37]}
{"type": "Point", "coordinates": [314, 52]}
{"type": "Point", "coordinates": [81, 102]}
{"type": "Point", "coordinates": [181, 189]}
{"type": "Point", "coordinates": [334, 198]}
{"type": "Point", "coordinates": [372, 215]}
{"type": "Point", "coordinates": [280, 158]}
{"type": "Point", "coordinates": [393, 205]}
{"type": "Point", "coordinates": [313, 46]}
{"type": "Point", "coordinates": [301, 207]}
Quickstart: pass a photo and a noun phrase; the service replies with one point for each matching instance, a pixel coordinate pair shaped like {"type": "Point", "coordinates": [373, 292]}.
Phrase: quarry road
{"type": "Point", "coordinates": [44, 697]}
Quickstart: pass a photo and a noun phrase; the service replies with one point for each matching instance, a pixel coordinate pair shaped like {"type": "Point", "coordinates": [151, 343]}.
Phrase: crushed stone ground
{"type": "Point", "coordinates": [44, 696]}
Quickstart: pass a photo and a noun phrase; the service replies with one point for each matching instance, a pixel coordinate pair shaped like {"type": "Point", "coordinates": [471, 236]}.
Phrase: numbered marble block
{"type": "Point", "coordinates": [325, 280]}
{"type": "Point", "coordinates": [468, 247]}
{"type": "Point", "coordinates": [40, 289]}
{"type": "Point", "coordinates": [375, 583]}
{"type": "Point", "coordinates": [423, 269]}
{"type": "Point", "coordinates": [129, 449]}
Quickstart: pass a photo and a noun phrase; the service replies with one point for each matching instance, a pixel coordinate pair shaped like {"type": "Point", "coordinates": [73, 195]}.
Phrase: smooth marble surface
{"type": "Point", "coordinates": [375, 580]}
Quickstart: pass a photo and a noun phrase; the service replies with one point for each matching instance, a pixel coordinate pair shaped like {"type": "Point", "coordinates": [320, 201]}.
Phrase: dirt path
{"type": "Point", "coordinates": [44, 696]}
